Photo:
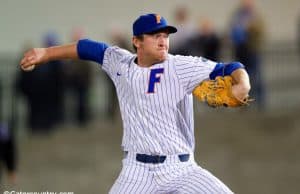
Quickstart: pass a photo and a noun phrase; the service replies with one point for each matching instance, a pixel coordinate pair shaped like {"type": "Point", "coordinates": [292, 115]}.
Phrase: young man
{"type": "Point", "coordinates": [155, 95]}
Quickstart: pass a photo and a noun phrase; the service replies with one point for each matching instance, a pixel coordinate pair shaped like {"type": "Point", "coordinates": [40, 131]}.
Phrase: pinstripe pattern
{"type": "Point", "coordinates": [160, 122]}
{"type": "Point", "coordinates": [169, 108]}
{"type": "Point", "coordinates": [172, 176]}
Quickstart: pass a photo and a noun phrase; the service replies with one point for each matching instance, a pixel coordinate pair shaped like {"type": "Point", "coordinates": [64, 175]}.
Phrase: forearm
{"type": "Point", "coordinates": [39, 56]}
{"type": "Point", "coordinates": [61, 52]}
{"type": "Point", "coordinates": [83, 49]}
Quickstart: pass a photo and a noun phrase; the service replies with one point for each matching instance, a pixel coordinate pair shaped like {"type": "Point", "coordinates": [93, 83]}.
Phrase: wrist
{"type": "Point", "coordinates": [48, 56]}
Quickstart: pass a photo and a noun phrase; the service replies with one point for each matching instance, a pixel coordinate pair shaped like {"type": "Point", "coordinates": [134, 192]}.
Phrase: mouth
{"type": "Point", "coordinates": [162, 49]}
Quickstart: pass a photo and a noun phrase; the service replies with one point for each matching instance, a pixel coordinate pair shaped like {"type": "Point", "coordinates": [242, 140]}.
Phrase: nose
{"type": "Point", "coordinates": [162, 41]}
{"type": "Point", "coordinates": [161, 44]}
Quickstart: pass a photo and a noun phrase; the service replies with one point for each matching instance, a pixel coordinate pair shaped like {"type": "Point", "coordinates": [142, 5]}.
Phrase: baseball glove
{"type": "Point", "coordinates": [217, 93]}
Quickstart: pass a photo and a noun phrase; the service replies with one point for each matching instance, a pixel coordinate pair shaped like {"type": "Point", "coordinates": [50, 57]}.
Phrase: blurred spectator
{"type": "Point", "coordinates": [117, 37]}
{"type": "Point", "coordinates": [247, 35]}
{"type": "Point", "coordinates": [55, 76]}
{"type": "Point", "coordinates": [186, 29]}
{"type": "Point", "coordinates": [43, 90]}
{"type": "Point", "coordinates": [298, 34]}
{"type": "Point", "coordinates": [7, 148]}
{"type": "Point", "coordinates": [206, 42]}
{"type": "Point", "coordinates": [7, 153]}
{"type": "Point", "coordinates": [78, 75]}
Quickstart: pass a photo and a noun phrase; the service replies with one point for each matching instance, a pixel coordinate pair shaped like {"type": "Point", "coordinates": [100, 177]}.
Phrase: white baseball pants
{"type": "Point", "coordinates": [171, 176]}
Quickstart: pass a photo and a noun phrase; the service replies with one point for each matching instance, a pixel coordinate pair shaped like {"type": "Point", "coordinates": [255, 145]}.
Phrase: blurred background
{"type": "Point", "coordinates": [60, 127]}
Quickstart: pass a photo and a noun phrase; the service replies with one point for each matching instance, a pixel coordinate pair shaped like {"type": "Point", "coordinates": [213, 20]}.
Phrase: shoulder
{"type": "Point", "coordinates": [115, 53]}
{"type": "Point", "coordinates": [179, 59]}
{"type": "Point", "coordinates": [190, 60]}
{"type": "Point", "coordinates": [118, 51]}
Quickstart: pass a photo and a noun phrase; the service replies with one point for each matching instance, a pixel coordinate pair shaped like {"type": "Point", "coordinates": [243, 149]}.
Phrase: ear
{"type": "Point", "coordinates": [136, 42]}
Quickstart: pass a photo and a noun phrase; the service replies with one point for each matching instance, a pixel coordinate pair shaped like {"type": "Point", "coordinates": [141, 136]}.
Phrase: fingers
{"type": "Point", "coordinates": [28, 60]}
{"type": "Point", "coordinates": [31, 59]}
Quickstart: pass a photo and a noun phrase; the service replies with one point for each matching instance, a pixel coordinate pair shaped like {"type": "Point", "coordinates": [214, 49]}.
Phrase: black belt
{"type": "Point", "coordinates": [155, 159]}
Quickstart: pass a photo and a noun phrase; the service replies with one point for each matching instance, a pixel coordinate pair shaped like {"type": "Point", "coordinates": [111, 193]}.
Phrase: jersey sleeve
{"type": "Point", "coordinates": [91, 50]}
{"type": "Point", "coordinates": [192, 70]}
{"type": "Point", "coordinates": [223, 69]}
{"type": "Point", "coordinates": [113, 58]}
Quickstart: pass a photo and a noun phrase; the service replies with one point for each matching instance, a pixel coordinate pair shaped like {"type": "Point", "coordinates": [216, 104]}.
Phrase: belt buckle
{"type": "Point", "coordinates": [159, 158]}
{"type": "Point", "coordinates": [154, 159]}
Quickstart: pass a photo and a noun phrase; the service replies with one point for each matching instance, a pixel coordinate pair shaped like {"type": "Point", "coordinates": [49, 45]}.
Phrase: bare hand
{"type": "Point", "coordinates": [240, 91]}
{"type": "Point", "coordinates": [241, 86]}
{"type": "Point", "coordinates": [32, 58]}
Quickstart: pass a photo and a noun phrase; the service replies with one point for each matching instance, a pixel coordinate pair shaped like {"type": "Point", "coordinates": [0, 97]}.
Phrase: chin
{"type": "Point", "coordinates": [162, 58]}
{"type": "Point", "coordinates": [163, 55]}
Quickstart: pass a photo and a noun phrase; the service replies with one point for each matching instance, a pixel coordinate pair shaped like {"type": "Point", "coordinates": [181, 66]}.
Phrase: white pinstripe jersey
{"type": "Point", "coordinates": [156, 102]}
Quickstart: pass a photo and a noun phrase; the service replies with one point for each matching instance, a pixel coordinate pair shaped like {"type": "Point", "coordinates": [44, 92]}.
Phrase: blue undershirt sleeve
{"type": "Point", "coordinates": [91, 50]}
{"type": "Point", "coordinates": [222, 69]}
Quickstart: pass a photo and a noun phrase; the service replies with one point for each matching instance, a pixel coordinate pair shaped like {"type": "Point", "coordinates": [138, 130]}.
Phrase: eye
{"type": "Point", "coordinates": [157, 36]}
{"type": "Point", "coordinates": [161, 35]}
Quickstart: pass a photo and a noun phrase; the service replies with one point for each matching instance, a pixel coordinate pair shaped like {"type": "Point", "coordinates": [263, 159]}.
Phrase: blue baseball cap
{"type": "Point", "coordinates": [149, 23]}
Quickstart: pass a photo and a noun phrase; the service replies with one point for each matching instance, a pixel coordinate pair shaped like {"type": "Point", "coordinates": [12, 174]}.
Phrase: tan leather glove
{"type": "Point", "coordinates": [218, 93]}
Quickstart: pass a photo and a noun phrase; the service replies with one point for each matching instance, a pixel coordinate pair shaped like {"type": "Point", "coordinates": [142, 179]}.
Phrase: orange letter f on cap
{"type": "Point", "coordinates": [158, 18]}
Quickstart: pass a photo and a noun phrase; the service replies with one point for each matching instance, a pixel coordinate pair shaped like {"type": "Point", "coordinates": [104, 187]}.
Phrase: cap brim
{"type": "Point", "coordinates": [170, 29]}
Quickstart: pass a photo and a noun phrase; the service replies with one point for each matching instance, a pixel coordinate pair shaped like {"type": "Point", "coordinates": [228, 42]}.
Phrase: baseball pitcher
{"type": "Point", "coordinates": [155, 92]}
